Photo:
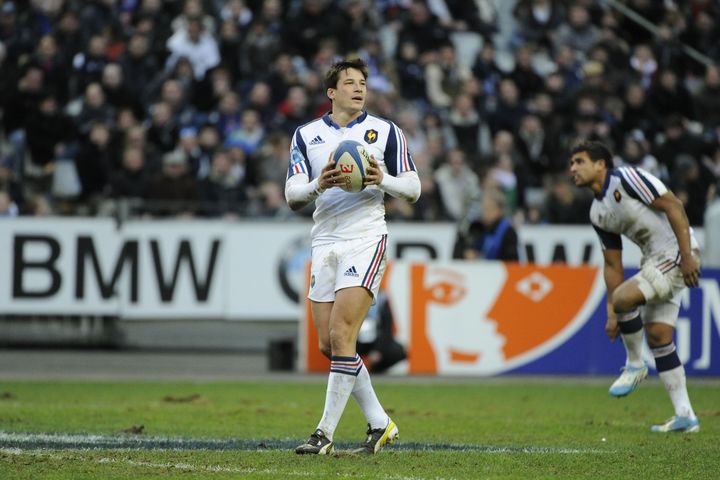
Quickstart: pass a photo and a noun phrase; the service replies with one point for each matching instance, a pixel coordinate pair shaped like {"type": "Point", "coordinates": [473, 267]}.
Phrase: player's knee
{"type": "Point", "coordinates": [341, 324]}
{"type": "Point", "coordinates": [627, 297]}
{"type": "Point", "coordinates": [653, 340]}
{"type": "Point", "coordinates": [339, 333]}
{"type": "Point", "coordinates": [341, 337]}
{"type": "Point", "coordinates": [621, 303]}
{"type": "Point", "coordinates": [658, 334]}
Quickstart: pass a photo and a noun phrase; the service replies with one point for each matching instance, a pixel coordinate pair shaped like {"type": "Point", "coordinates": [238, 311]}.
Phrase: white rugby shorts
{"type": "Point", "coordinates": [348, 263]}
{"type": "Point", "coordinates": [663, 309]}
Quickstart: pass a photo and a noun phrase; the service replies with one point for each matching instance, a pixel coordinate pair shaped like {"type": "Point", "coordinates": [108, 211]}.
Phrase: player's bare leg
{"type": "Point", "coordinates": [363, 391]}
{"type": "Point", "coordinates": [381, 429]}
{"type": "Point", "coordinates": [319, 443]}
{"type": "Point", "coordinates": [627, 298]}
{"type": "Point", "coordinates": [344, 330]}
{"type": "Point", "coordinates": [346, 315]}
{"type": "Point", "coordinates": [672, 374]}
{"type": "Point", "coordinates": [348, 312]}
{"type": "Point", "coordinates": [321, 319]}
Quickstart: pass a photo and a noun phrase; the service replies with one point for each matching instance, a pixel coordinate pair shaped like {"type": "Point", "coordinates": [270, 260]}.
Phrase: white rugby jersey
{"type": "Point", "coordinates": [341, 215]}
{"type": "Point", "coordinates": [623, 208]}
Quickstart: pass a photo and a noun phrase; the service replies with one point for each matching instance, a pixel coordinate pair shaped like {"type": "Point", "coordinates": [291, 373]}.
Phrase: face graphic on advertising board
{"type": "Point", "coordinates": [455, 319]}
{"type": "Point", "coordinates": [458, 321]}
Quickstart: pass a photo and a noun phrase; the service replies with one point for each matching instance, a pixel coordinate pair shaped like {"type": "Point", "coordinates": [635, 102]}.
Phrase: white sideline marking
{"type": "Point", "coordinates": [10, 441]}
{"type": "Point", "coordinates": [64, 438]}
{"type": "Point", "coordinates": [201, 468]}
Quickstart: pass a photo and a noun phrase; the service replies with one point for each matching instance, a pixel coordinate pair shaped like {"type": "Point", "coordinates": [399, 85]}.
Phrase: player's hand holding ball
{"type": "Point", "coordinates": [374, 174]}
{"type": "Point", "coordinates": [330, 176]}
{"type": "Point", "coordinates": [351, 168]}
{"type": "Point", "coordinates": [351, 163]}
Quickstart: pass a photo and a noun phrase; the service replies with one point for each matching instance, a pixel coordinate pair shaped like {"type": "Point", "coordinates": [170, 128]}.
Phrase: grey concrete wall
{"type": "Point", "coordinates": [76, 331]}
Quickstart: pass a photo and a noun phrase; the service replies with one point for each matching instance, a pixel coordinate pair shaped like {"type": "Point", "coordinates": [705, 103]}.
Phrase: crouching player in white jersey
{"type": "Point", "coordinates": [634, 203]}
{"type": "Point", "coordinates": [349, 240]}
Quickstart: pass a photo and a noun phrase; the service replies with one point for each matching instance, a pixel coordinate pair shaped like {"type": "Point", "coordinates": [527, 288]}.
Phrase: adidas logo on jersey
{"type": "Point", "coordinates": [351, 272]}
{"type": "Point", "coordinates": [317, 141]}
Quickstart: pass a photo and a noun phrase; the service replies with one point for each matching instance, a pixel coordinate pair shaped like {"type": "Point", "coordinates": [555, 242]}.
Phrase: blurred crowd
{"type": "Point", "coordinates": [187, 107]}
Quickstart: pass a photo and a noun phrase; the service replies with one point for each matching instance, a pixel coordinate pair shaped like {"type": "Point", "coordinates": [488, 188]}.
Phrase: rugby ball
{"type": "Point", "coordinates": [353, 161]}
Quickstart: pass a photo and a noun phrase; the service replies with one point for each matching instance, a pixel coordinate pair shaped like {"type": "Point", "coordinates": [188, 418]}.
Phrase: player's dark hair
{"type": "Point", "coordinates": [333, 74]}
{"type": "Point", "coordinates": [595, 150]}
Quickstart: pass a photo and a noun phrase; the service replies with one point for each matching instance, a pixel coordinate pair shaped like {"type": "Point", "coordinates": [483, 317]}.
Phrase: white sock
{"type": "Point", "coordinates": [343, 372]}
{"type": "Point", "coordinates": [631, 333]}
{"type": "Point", "coordinates": [672, 374]}
{"type": "Point", "coordinates": [674, 381]}
{"type": "Point", "coordinates": [364, 395]}
{"type": "Point", "coordinates": [633, 347]}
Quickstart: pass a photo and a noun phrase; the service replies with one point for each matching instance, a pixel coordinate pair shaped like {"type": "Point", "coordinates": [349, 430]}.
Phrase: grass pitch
{"type": "Point", "coordinates": [483, 429]}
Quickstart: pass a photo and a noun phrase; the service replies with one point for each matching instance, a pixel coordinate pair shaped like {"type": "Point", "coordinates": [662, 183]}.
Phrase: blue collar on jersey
{"type": "Point", "coordinates": [326, 118]}
{"type": "Point", "coordinates": [609, 174]}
